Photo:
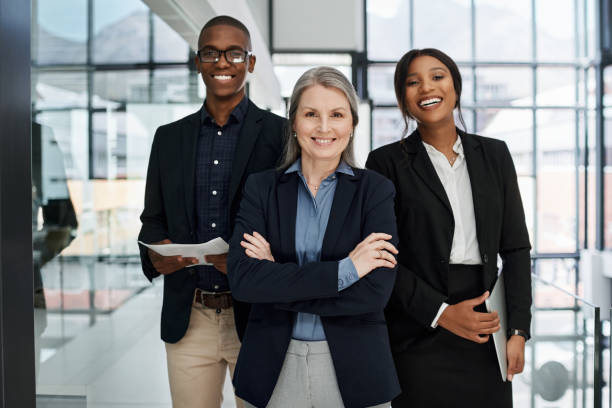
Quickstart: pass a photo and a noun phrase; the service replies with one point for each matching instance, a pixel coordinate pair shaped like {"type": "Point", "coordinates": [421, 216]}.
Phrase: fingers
{"type": "Point", "coordinates": [257, 240]}
{"type": "Point", "coordinates": [382, 254]}
{"type": "Point", "coordinates": [487, 317]}
{"type": "Point", "coordinates": [253, 251]}
{"type": "Point", "coordinates": [168, 264]}
{"type": "Point", "coordinates": [163, 242]}
{"type": "Point", "coordinates": [481, 339]}
{"type": "Point", "coordinates": [375, 236]}
{"type": "Point", "coordinates": [383, 263]}
{"type": "Point", "coordinates": [385, 245]}
{"type": "Point", "coordinates": [478, 300]}
{"type": "Point", "coordinates": [261, 239]}
{"type": "Point", "coordinates": [216, 258]}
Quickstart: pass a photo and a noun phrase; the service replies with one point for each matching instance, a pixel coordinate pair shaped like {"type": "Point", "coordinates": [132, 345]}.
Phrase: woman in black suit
{"type": "Point", "coordinates": [313, 252]}
{"type": "Point", "coordinates": [458, 207]}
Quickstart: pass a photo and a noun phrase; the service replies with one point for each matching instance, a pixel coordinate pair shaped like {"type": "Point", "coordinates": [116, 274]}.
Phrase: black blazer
{"type": "Point", "coordinates": [353, 319]}
{"type": "Point", "coordinates": [425, 224]}
{"type": "Point", "coordinates": [169, 208]}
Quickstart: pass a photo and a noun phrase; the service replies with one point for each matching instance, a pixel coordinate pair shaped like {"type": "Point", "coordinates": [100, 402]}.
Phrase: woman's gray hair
{"type": "Point", "coordinates": [330, 78]}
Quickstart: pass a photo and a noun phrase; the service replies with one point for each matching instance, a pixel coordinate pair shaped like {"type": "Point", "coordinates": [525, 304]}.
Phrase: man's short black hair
{"type": "Point", "coordinates": [228, 21]}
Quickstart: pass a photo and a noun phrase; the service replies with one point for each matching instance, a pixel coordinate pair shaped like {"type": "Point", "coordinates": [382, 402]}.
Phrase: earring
{"type": "Point", "coordinates": [351, 135]}
{"type": "Point", "coordinates": [294, 134]}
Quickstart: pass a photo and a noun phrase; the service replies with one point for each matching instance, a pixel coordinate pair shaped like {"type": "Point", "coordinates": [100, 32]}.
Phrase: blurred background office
{"type": "Point", "coordinates": [107, 73]}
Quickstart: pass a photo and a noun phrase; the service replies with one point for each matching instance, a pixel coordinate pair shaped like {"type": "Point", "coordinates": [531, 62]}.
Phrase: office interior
{"type": "Point", "coordinates": [104, 74]}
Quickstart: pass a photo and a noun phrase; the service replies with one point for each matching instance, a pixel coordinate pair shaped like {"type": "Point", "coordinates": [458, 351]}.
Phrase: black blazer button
{"type": "Point", "coordinates": [485, 258]}
{"type": "Point", "coordinates": [442, 261]}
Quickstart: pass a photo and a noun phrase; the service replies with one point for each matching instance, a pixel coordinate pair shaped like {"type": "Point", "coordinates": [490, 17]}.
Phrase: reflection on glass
{"type": "Point", "coordinates": [114, 22]}
{"type": "Point", "coordinates": [557, 86]}
{"type": "Point", "coordinates": [59, 89]}
{"type": "Point", "coordinates": [504, 86]}
{"type": "Point", "coordinates": [467, 85]}
{"type": "Point", "coordinates": [388, 29]}
{"type": "Point", "coordinates": [560, 358]}
{"type": "Point", "coordinates": [556, 180]}
{"type": "Point", "coordinates": [174, 85]}
{"type": "Point", "coordinates": [513, 126]}
{"type": "Point", "coordinates": [556, 29]}
{"type": "Point", "coordinates": [59, 34]}
{"type": "Point", "coordinates": [109, 145]}
{"type": "Point", "coordinates": [380, 84]}
{"type": "Point", "coordinates": [432, 20]}
{"type": "Point", "coordinates": [113, 88]}
{"type": "Point", "coordinates": [388, 126]}
{"type": "Point", "coordinates": [494, 21]}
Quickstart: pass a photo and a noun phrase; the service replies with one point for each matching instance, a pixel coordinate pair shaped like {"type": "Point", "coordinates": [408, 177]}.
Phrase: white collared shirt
{"type": "Point", "coordinates": [456, 182]}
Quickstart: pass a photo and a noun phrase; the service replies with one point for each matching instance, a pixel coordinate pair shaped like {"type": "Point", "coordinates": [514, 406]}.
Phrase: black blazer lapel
{"type": "Point", "coordinates": [246, 143]}
{"type": "Point", "coordinates": [190, 133]}
{"type": "Point", "coordinates": [479, 180]}
{"type": "Point", "coordinates": [343, 198]}
{"type": "Point", "coordinates": [287, 214]}
{"type": "Point", "coordinates": [423, 166]}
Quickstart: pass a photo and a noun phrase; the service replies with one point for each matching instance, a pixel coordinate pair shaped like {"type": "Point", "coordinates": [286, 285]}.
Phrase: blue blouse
{"type": "Point", "coordinates": [310, 226]}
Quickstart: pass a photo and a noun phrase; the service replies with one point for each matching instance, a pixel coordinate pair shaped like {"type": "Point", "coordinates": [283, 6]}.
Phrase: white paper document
{"type": "Point", "coordinates": [497, 301]}
{"type": "Point", "coordinates": [215, 246]}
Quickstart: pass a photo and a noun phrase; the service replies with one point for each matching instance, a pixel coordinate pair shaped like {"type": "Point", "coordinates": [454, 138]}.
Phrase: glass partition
{"type": "Point", "coordinates": [563, 359]}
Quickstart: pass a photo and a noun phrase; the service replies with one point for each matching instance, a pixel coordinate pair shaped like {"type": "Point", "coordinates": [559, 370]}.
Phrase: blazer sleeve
{"type": "Point", "coordinates": [370, 293]}
{"type": "Point", "coordinates": [154, 225]}
{"type": "Point", "coordinates": [262, 281]}
{"type": "Point", "coordinates": [411, 294]}
{"type": "Point", "coordinates": [514, 248]}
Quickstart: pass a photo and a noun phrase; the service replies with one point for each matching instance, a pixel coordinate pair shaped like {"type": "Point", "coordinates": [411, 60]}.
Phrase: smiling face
{"type": "Point", "coordinates": [223, 79]}
{"type": "Point", "coordinates": [323, 124]}
{"type": "Point", "coordinates": [430, 94]}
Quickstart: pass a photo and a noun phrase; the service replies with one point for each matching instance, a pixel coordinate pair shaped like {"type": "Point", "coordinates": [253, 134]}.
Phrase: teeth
{"type": "Point", "coordinates": [429, 102]}
{"type": "Point", "coordinates": [323, 141]}
{"type": "Point", "coordinates": [222, 77]}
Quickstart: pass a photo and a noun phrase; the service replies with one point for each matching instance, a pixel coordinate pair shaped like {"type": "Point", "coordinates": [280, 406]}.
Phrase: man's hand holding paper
{"type": "Point", "coordinates": [168, 257]}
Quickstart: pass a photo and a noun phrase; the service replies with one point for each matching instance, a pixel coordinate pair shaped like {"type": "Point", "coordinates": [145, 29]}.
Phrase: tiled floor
{"type": "Point", "coordinates": [117, 363]}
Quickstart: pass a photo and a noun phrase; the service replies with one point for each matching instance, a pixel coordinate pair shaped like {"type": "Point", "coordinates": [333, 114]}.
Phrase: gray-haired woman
{"type": "Point", "coordinates": [313, 251]}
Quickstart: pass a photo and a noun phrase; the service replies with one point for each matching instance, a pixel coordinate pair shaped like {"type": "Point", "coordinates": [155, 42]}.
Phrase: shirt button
{"type": "Point", "coordinates": [215, 162]}
{"type": "Point", "coordinates": [214, 192]}
{"type": "Point", "coordinates": [219, 133]}
{"type": "Point", "coordinates": [213, 225]}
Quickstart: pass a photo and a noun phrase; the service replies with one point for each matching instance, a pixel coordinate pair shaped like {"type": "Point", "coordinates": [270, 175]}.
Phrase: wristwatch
{"type": "Point", "coordinates": [518, 332]}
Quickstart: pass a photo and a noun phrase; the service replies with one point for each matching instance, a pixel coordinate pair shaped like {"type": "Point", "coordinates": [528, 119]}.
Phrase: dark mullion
{"type": "Point", "coordinates": [90, 88]}
{"type": "Point", "coordinates": [151, 56]}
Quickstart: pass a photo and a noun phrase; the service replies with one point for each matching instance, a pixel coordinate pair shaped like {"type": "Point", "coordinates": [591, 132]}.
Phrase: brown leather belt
{"type": "Point", "coordinates": [213, 300]}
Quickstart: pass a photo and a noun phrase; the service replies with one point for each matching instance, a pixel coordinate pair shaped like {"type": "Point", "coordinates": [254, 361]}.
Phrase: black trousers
{"type": "Point", "coordinates": [443, 370]}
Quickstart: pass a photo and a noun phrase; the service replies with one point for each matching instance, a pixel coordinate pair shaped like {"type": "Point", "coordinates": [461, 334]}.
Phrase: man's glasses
{"type": "Point", "coordinates": [234, 56]}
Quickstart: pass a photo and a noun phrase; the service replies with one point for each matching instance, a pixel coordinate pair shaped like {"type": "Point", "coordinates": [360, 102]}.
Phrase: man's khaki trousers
{"type": "Point", "coordinates": [198, 362]}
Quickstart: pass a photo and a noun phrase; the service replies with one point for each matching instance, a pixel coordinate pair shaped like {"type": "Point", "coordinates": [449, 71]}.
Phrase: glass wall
{"type": "Point", "coordinates": [536, 92]}
{"type": "Point", "coordinates": [96, 102]}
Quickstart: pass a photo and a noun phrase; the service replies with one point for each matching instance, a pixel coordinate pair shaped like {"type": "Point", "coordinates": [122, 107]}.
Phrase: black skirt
{"type": "Point", "coordinates": [443, 370]}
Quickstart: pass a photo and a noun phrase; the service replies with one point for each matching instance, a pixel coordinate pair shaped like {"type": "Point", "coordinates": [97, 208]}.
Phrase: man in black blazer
{"type": "Point", "coordinates": [197, 169]}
